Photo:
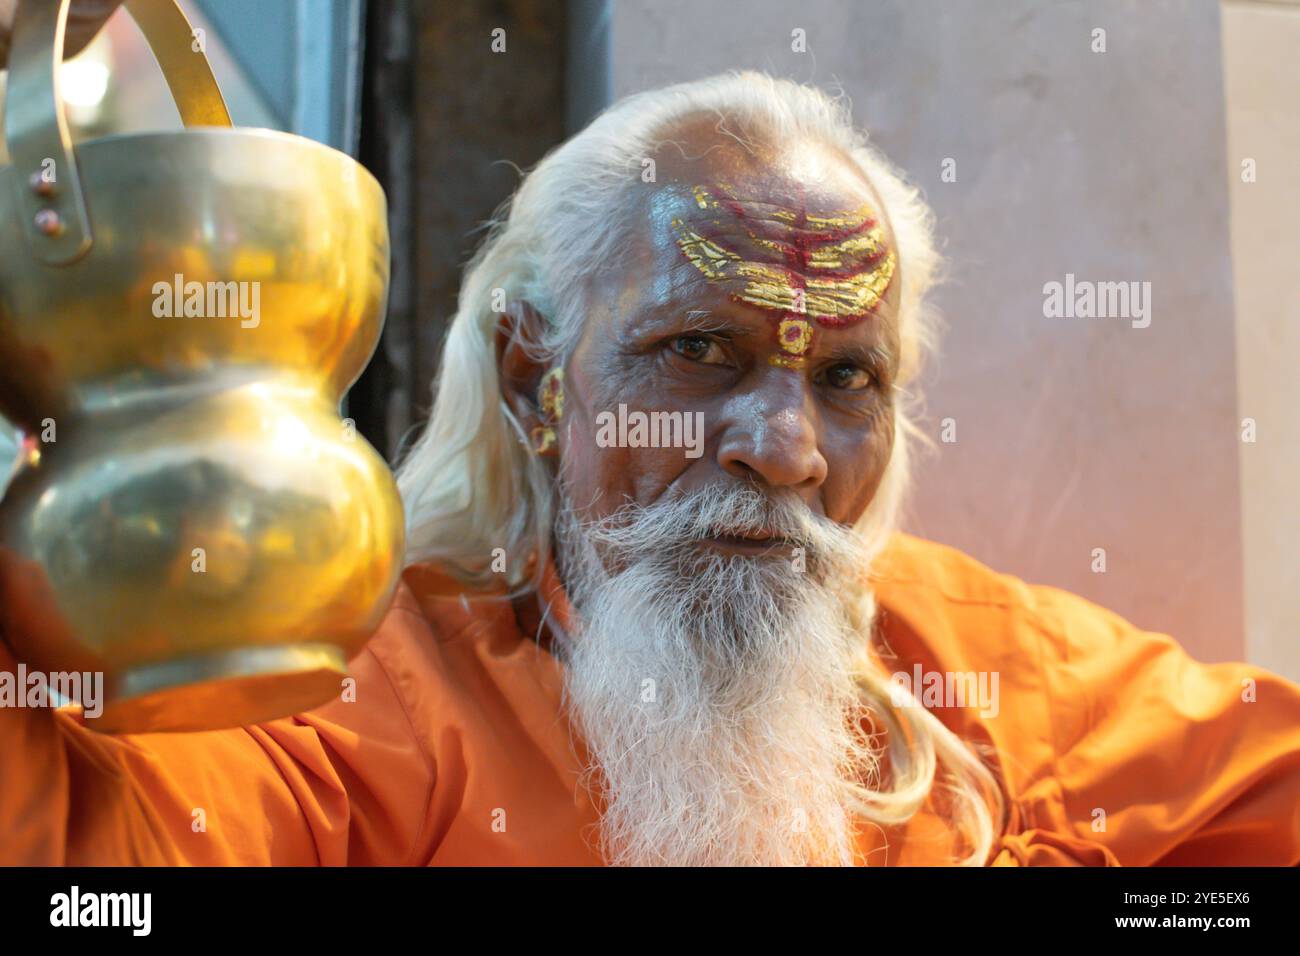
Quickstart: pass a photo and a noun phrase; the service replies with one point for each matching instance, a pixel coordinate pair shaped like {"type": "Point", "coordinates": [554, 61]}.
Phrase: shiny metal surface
{"type": "Point", "coordinates": [192, 517]}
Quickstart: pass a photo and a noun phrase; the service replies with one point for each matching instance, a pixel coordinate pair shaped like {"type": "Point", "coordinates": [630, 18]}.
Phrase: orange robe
{"type": "Point", "coordinates": [456, 752]}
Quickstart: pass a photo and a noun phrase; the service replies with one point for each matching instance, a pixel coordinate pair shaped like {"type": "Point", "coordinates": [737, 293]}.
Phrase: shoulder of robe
{"type": "Point", "coordinates": [958, 603]}
{"type": "Point", "coordinates": [909, 560]}
{"type": "Point", "coordinates": [451, 610]}
{"type": "Point", "coordinates": [434, 638]}
{"type": "Point", "coordinates": [948, 614]}
{"type": "Point", "coordinates": [962, 609]}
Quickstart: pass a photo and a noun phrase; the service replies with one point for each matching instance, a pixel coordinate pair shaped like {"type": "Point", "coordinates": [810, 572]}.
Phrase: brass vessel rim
{"type": "Point", "coordinates": [120, 140]}
{"type": "Point", "coordinates": [35, 124]}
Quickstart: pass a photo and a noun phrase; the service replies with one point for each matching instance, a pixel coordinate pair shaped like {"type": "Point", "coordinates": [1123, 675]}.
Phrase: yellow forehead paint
{"type": "Point", "coordinates": [836, 268]}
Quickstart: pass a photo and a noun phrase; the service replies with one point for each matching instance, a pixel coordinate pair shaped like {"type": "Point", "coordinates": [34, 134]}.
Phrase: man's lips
{"type": "Point", "coordinates": [748, 542]}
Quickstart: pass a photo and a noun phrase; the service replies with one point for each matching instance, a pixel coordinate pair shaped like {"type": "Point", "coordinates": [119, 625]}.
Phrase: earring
{"type": "Point", "coordinates": [543, 439]}
{"type": "Point", "coordinates": [550, 399]}
{"type": "Point", "coordinates": [550, 394]}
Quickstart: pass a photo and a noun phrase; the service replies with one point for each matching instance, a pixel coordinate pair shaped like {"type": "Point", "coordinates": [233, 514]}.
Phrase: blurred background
{"type": "Point", "coordinates": [1164, 149]}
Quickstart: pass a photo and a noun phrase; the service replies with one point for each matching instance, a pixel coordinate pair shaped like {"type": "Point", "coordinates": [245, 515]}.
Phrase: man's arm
{"type": "Point", "coordinates": [348, 783]}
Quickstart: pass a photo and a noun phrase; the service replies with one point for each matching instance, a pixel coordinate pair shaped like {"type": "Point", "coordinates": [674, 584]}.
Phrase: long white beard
{"type": "Point", "coordinates": [716, 694]}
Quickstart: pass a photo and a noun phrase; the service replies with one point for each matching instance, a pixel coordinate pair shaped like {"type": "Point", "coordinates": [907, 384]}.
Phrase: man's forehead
{"type": "Point", "coordinates": [789, 169]}
{"type": "Point", "coordinates": [792, 233]}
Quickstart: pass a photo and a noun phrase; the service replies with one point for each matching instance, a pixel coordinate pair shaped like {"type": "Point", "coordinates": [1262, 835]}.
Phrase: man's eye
{"type": "Point", "coordinates": [848, 377]}
{"type": "Point", "coordinates": [698, 348]}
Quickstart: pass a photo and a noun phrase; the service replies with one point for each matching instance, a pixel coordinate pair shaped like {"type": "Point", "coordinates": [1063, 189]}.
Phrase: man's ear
{"type": "Point", "coordinates": [519, 334]}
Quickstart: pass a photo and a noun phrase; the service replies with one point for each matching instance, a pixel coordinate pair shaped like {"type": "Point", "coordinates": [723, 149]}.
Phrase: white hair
{"type": "Point", "coordinates": [470, 483]}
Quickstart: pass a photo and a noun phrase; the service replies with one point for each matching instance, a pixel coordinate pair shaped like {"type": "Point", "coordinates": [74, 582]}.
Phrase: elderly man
{"type": "Point", "coordinates": [693, 637]}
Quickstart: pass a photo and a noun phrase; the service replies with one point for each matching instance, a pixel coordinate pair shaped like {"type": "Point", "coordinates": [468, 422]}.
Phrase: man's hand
{"type": "Point", "coordinates": [85, 19]}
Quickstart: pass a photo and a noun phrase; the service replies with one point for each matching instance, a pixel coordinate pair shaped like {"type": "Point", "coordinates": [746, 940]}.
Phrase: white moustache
{"type": "Point", "coordinates": [671, 525]}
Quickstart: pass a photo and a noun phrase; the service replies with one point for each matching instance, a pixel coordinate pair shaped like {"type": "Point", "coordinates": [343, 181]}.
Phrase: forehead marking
{"type": "Point", "coordinates": [835, 269]}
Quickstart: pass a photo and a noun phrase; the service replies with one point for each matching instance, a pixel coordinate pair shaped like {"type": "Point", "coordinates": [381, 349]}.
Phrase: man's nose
{"type": "Point", "coordinates": [775, 440]}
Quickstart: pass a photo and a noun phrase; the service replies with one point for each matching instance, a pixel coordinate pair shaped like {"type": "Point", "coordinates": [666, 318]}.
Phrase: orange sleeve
{"type": "Point", "coordinates": [348, 783]}
{"type": "Point", "coordinates": [1159, 759]}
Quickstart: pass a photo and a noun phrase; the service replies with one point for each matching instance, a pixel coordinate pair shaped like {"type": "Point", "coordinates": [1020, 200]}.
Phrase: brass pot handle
{"type": "Point", "coordinates": [45, 165]}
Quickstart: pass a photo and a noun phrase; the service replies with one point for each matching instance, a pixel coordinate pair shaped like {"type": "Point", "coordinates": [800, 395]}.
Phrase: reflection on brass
{"type": "Point", "coordinates": [191, 515]}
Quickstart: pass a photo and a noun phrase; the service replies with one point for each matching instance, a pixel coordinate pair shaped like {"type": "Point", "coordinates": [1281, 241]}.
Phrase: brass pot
{"type": "Point", "coordinates": [180, 316]}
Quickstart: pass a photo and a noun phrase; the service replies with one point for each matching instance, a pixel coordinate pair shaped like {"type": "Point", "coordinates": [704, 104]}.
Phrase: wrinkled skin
{"type": "Point", "coordinates": [823, 432]}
